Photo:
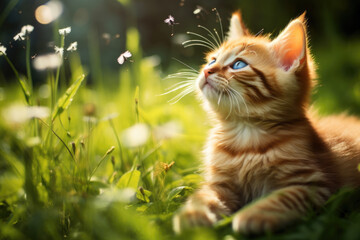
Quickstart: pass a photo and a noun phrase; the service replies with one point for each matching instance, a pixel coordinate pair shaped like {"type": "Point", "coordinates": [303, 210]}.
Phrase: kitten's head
{"type": "Point", "coordinates": [251, 76]}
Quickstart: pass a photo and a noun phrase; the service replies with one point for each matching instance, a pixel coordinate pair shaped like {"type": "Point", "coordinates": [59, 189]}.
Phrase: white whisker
{"type": "Point", "coordinates": [242, 99]}
{"type": "Point", "coordinates": [177, 88]}
{"type": "Point", "coordinates": [211, 35]}
{"type": "Point", "coordinates": [180, 83]}
{"type": "Point", "coordinates": [217, 35]}
{"type": "Point", "coordinates": [197, 42]}
{"type": "Point", "coordinates": [230, 100]}
{"type": "Point", "coordinates": [187, 70]}
{"type": "Point", "coordinates": [220, 95]}
{"type": "Point", "coordinates": [185, 65]}
{"type": "Point", "coordinates": [220, 23]}
{"type": "Point", "coordinates": [200, 36]}
{"type": "Point", "coordinates": [182, 76]}
{"type": "Point", "coordinates": [181, 95]}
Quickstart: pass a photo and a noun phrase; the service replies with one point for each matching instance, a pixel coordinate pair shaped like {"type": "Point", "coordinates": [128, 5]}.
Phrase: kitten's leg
{"type": "Point", "coordinates": [279, 209]}
{"type": "Point", "coordinates": [203, 208]}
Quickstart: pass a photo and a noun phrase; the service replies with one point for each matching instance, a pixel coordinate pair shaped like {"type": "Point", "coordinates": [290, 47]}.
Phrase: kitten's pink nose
{"type": "Point", "coordinates": [207, 72]}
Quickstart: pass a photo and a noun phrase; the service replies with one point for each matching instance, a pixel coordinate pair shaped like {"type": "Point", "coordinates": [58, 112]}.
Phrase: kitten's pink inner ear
{"type": "Point", "coordinates": [290, 45]}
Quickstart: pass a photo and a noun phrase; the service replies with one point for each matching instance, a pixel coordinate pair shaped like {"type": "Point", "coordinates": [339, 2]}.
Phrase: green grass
{"type": "Point", "coordinates": [73, 174]}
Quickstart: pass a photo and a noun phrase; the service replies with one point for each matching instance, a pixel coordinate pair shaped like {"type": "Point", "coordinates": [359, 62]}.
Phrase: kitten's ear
{"type": "Point", "coordinates": [290, 46]}
{"type": "Point", "coordinates": [237, 27]}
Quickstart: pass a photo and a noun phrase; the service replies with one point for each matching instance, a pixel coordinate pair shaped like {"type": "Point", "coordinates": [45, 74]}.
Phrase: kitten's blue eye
{"type": "Point", "coordinates": [239, 64]}
{"type": "Point", "coordinates": [212, 62]}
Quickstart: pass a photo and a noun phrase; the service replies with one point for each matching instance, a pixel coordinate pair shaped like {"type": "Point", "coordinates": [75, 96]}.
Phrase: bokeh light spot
{"type": "Point", "coordinates": [43, 14]}
{"type": "Point", "coordinates": [48, 12]}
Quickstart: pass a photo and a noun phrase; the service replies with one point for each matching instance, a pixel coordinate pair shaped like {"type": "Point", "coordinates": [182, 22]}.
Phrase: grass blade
{"type": "Point", "coordinates": [130, 179]}
{"type": "Point", "coordinates": [65, 100]}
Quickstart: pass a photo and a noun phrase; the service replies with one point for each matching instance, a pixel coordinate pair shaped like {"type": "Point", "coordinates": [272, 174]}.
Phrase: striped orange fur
{"type": "Point", "coordinates": [268, 160]}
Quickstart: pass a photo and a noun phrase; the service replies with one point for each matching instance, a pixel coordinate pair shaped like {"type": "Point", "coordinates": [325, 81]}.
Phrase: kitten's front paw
{"type": "Point", "coordinates": [248, 222]}
{"type": "Point", "coordinates": [192, 216]}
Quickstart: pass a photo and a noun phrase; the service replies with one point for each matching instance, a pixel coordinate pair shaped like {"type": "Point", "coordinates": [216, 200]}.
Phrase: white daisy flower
{"type": "Point", "coordinates": [65, 31]}
{"type": "Point", "coordinates": [72, 47]}
{"type": "Point", "coordinates": [27, 29]}
{"type": "Point", "coordinates": [59, 50]}
{"type": "Point", "coordinates": [2, 50]}
{"type": "Point", "coordinates": [20, 36]}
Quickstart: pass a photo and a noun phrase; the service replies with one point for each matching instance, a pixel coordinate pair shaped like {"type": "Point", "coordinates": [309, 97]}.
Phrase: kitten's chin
{"type": "Point", "coordinates": [210, 93]}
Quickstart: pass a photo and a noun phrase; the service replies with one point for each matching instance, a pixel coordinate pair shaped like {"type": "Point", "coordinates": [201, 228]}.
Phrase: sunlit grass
{"type": "Point", "coordinates": [86, 162]}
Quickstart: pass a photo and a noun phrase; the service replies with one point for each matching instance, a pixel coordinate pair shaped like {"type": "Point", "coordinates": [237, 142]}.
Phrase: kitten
{"type": "Point", "coordinates": [267, 159]}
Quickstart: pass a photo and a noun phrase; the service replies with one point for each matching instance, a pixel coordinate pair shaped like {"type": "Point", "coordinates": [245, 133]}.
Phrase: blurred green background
{"type": "Point", "coordinates": [100, 29]}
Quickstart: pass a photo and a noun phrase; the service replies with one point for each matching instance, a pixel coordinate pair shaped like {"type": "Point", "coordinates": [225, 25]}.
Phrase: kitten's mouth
{"type": "Point", "coordinates": [207, 83]}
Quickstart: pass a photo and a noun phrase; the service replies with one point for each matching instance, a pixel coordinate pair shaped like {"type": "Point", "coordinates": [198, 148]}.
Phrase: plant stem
{"type": "Point", "coordinates": [28, 68]}
{"type": "Point", "coordinates": [52, 104]}
{"type": "Point", "coordinates": [119, 144]}
{"type": "Point", "coordinates": [30, 82]}
{"type": "Point", "coordinates": [101, 160]}
{"type": "Point", "coordinates": [62, 141]}
{"type": "Point", "coordinates": [22, 83]}
{"type": "Point", "coordinates": [62, 43]}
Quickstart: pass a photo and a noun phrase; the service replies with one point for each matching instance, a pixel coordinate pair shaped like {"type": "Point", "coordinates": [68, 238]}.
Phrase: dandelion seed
{"type": "Point", "coordinates": [72, 47]}
{"type": "Point", "coordinates": [200, 11]}
{"type": "Point", "coordinates": [2, 50]}
{"type": "Point", "coordinates": [59, 50]}
{"type": "Point", "coordinates": [123, 57]}
{"type": "Point", "coordinates": [197, 11]}
{"type": "Point", "coordinates": [47, 61]}
{"type": "Point", "coordinates": [65, 31]}
{"type": "Point", "coordinates": [171, 22]}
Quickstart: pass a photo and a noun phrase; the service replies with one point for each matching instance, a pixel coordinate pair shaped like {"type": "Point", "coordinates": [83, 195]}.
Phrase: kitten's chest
{"type": "Point", "coordinates": [243, 156]}
{"type": "Point", "coordinates": [248, 173]}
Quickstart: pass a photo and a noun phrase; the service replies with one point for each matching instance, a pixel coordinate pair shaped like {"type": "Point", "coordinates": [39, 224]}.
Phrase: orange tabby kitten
{"type": "Point", "coordinates": [266, 159]}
